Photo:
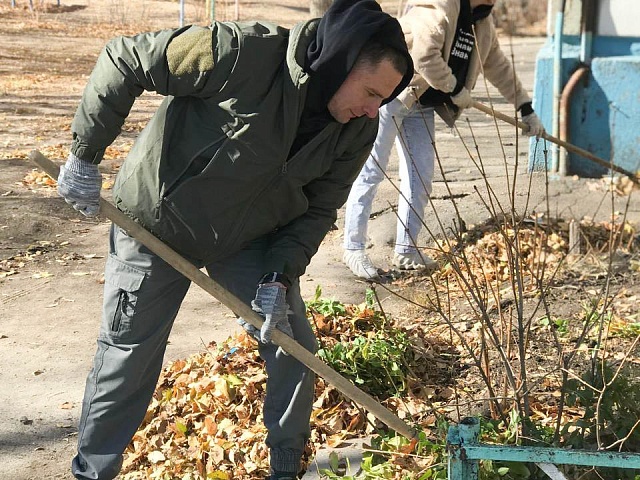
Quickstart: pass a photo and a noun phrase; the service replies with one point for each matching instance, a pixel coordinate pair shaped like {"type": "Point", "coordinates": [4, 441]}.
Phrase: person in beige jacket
{"type": "Point", "coordinates": [451, 42]}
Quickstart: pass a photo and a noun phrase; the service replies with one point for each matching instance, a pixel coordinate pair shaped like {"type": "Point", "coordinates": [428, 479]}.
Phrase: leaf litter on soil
{"type": "Point", "coordinates": [205, 420]}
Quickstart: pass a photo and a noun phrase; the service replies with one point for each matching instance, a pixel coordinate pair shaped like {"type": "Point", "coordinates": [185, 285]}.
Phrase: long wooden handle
{"type": "Point", "coordinates": [185, 267]}
{"type": "Point", "coordinates": [570, 147]}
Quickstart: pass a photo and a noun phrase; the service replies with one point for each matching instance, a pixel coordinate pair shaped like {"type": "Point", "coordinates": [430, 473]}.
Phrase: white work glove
{"type": "Point", "coordinates": [79, 183]}
{"type": "Point", "coordinates": [463, 99]}
{"type": "Point", "coordinates": [535, 125]}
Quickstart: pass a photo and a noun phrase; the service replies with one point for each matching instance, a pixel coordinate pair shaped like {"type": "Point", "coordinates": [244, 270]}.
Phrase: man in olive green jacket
{"type": "Point", "coordinates": [241, 170]}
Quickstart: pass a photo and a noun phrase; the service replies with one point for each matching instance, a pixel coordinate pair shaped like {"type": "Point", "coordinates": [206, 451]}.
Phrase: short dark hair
{"type": "Point", "coordinates": [375, 52]}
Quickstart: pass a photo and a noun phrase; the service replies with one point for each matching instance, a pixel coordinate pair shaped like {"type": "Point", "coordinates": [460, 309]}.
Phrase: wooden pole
{"type": "Point", "coordinates": [572, 148]}
{"type": "Point", "coordinates": [238, 307]}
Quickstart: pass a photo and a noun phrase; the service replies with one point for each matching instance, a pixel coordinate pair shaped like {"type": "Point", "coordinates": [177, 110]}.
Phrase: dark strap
{"type": "Point", "coordinates": [459, 58]}
{"type": "Point", "coordinates": [273, 277]}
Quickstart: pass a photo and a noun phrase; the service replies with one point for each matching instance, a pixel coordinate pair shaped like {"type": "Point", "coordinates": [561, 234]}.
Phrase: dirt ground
{"type": "Point", "coordinates": [51, 288]}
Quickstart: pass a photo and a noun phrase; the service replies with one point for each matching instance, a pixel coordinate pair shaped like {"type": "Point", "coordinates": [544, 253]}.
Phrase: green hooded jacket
{"type": "Point", "coordinates": [210, 172]}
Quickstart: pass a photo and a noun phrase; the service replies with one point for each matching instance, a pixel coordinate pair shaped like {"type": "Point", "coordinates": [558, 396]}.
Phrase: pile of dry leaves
{"type": "Point", "coordinates": [538, 248]}
{"type": "Point", "coordinates": [205, 420]}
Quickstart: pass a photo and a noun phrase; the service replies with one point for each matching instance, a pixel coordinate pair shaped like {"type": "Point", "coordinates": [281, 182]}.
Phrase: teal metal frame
{"type": "Point", "coordinates": [465, 453]}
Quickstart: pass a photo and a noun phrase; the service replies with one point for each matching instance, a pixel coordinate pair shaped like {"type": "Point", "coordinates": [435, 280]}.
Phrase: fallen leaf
{"type": "Point", "coordinates": [55, 303]}
{"type": "Point", "coordinates": [156, 457]}
{"type": "Point", "coordinates": [217, 453]}
{"type": "Point", "coordinates": [218, 475]}
{"type": "Point", "coordinates": [42, 275]}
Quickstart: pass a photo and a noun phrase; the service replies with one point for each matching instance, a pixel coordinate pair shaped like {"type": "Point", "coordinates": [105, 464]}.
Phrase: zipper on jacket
{"type": "Point", "coordinates": [313, 142]}
{"type": "Point", "coordinates": [181, 178]}
{"type": "Point", "coordinates": [181, 220]}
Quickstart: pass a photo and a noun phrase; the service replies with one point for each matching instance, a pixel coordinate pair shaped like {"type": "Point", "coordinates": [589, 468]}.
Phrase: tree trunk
{"type": "Point", "coordinates": [318, 7]}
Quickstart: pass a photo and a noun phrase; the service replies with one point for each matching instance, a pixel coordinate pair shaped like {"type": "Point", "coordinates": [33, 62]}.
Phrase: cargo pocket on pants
{"type": "Point", "coordinates": [122, 285]}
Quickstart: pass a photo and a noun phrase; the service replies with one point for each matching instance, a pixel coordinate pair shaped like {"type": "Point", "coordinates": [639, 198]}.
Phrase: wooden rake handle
{"type": "Point", "coordinates": [190, 271]}
{"type": "Point", "coordinates": [568, 146]}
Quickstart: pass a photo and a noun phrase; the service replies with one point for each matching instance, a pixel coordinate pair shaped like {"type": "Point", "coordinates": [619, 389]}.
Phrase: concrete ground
{"type": "Point", "coordinates": [503, 157]}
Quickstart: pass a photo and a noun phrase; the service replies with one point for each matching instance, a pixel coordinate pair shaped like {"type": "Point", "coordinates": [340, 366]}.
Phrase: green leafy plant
{"type": "Point", "coordinates": [329, 307]}
{"type": "Point", "coordinates": [560, 324]}
{"type": "Point", "coordinates": [377, 363]}
{"type": "Point", "coordinates": [494, 470]}
{"type": "Point", "coordinates": [362, 346]}
{"type": "Point", "coordinates": [630, 330]}
{"type": "Point", "coordinates": [370, 298]}
{"type": "Point", "coordinates": [427, 459]}
{"type": "Point", "coordinates": [503, 432]}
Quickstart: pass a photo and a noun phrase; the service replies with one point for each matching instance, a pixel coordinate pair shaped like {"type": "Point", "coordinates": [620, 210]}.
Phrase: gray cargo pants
{"type": "Point", "coordinates": [142, 296]}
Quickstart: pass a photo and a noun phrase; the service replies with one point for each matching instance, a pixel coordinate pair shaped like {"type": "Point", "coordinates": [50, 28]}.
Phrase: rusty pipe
{"type": "Point", "coordinates": [565, 115]}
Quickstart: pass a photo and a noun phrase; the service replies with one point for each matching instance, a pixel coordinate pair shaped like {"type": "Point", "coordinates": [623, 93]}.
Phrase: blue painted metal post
{"type": "Point", "coordinates": [455, 464]}
{"type": "Point", "coordinates": [557, 84]}
{"type": "Point", "coordinates": [458, 439]}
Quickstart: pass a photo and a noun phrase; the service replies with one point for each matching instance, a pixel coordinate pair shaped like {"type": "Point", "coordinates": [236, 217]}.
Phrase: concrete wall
{"type": "Point", "coordinates": [605, 107]}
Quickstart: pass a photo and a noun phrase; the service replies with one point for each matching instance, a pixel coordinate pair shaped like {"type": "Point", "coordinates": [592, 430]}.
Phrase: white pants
{"type": "Point", "coordinates": [416, 153]}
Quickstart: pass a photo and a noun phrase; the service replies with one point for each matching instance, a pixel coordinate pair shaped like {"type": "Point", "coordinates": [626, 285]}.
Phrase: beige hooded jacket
{"type": "Point", "coordinates": [430, 28]}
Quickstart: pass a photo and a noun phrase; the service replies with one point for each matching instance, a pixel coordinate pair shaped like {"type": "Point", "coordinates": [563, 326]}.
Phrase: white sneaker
{"type": "Point", "coordinates": [360, 264]}
{"type": "Point", "coordinates": [414, 261]}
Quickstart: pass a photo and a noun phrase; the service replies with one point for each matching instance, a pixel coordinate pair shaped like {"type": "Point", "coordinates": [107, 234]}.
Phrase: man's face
{"type": "Point", "coordinates": [363, 91]}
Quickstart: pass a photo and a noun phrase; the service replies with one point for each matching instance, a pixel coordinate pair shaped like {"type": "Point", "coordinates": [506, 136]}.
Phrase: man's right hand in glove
{"type": "Point", "coordinates": [79, 183]}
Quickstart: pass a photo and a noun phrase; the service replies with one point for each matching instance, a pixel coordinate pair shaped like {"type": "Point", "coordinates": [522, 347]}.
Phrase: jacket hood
{"type": "Point", "coordinates": [342, 32]}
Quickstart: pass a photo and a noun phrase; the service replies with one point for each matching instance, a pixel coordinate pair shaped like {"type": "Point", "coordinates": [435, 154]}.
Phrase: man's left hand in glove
{"type": "Point", "coordinates": [462, 99]}
{"type": "Point", "coordinates": [535, 125]}
{"type": "Point", "coordinates": [79, 183]}
{"type": "Point", "coordinates": [531, 120]}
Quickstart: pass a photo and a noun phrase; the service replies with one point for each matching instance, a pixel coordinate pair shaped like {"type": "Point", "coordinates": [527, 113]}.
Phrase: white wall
{"type": "Point", "coordinates": [619, 18]}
